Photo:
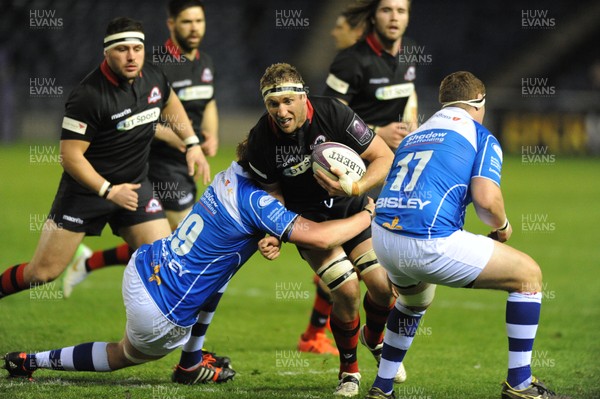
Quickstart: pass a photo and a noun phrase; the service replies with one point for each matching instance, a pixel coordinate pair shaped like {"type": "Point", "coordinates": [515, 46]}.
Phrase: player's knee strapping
{"type": "Point", "coordinates": [337, 272]}
{"type": "Point", "coordinates": [422, 299]}
{"type": "Point", "coordinates": [367, 262]}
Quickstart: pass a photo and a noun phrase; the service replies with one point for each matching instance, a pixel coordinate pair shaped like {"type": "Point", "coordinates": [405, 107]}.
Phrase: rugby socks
{"type": "Point", "coordinates": [376, 318]}
{"type": "Point", "coordinates": [12, 280]}
{"type": "Point", "coordinates": [320, 314]}
{"type": "Point", "coordinates": [115, 256]}
{"type": "Point", "coordinates": [402, 326]}
{"type": "Point", "coordinates": [522, 317]}
{"type": "Point", "coordinates": [346, 339]}
{"type": "Point", "coordinates": [191, 353]}
{"type": "Point", "coordinates": [91, 356]}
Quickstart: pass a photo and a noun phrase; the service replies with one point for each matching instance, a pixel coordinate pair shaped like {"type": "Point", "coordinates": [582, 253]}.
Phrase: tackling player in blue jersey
{"type": "Point", "coordinates": [166, 283]}
{"type": "Point", "coordinates": [449, 162]}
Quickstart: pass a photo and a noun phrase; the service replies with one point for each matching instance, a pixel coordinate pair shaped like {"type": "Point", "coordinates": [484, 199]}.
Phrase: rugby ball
{"type": "Point", "coordinates": [329, 154]}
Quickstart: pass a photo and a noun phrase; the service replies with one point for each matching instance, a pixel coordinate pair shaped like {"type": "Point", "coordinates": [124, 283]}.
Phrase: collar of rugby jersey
{"type": "Point", "coordinates": [376, 46]}
{"type": "Point", "coordinates": [175, 50]}
{"type": "Point", "coordinates": [110, 75]}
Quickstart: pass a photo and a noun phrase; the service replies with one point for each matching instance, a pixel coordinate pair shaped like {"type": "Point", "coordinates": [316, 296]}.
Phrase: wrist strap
{"type": "Point", "coordinates": [504, 227]}
{"type": "Point", "coordinates": [103, 188]}
{"type": "Point", "coordinates": [191, 141]}
{"type": "Point", "coordinates": [371, 213]}
{"type": "Point", "coordinates": [108, 189]}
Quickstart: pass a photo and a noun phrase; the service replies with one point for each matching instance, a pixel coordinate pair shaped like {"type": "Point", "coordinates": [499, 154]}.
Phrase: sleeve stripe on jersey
{"type": "Point", "coordinates": [483, 156]}
{"type": "Point", "coordinates": [258, 172]}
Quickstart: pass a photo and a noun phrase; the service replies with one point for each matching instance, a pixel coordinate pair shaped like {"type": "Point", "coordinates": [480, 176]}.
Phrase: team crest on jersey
{"type": "Point", "coordinates": [155, 95]}
{"type": "Point", "coordinates": [153, 206]}
{"type": "Point", "coordinates": [411, 74]}
{"type": "Point", "coordinates": [207, 75]}
{"type": "Point", "coordinates": [319, 140]}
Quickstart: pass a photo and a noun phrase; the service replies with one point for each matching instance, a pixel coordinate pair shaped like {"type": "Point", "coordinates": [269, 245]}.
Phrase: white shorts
{"type": "Point", "coordinates": [454, 261]}
{"type": "Point", "coordinates": [148, 330]}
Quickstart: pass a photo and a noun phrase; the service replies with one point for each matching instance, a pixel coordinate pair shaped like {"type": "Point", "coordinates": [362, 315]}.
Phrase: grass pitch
{"type": "Point", "coordinates": [459, 351]}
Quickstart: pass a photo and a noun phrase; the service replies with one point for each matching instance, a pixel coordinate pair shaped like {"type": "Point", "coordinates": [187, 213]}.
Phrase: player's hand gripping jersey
{"type": "Point", "coordinates": [428, 188]}
{"type": "Point", "coordinates": [219, 235]}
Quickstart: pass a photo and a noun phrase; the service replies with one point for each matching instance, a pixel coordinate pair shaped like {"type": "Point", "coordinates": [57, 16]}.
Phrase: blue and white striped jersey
{"type": "Point", "coordinates": [219, 235]}
{"type": "Point", "coordinates": [427, 190]}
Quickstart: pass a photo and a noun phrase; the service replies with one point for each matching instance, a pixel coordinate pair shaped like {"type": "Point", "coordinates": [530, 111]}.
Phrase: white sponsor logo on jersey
{"type": "Point", "coordinates": [181, 83]}
{"type": "Point", "coordinates": [148, 116]}
{"type": "Point", "coordinates": [379, 81]}
{"type": "Point", "coordinates": [191, 93]}
{"type": "Point", "coordinates": [299, 168]}
{"type": "Point", "coordinates": [121, 114]}
{"type": "Point", "coordinates": [74, 125]}
{"type": "Point", "coordinates": [402, 203]}
{"type": "Point", "coordinates": [265, 200]}
{"type": "Point", "coordinates": [337, 84]}
{"type": "Point", "coordinates": [410, 74]}
{"type": "Point", "coordinates": [394, 91]}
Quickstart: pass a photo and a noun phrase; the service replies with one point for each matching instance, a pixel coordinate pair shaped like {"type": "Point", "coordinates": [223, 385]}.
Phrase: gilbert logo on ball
{"type": "Point", "coordinates": [332, 154]}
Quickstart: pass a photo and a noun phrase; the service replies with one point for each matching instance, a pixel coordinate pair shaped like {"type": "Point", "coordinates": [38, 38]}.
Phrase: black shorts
{"type": "Point", "coordinates": [334, 208]}
{"type": "Point", "coordinates": [81, 211]}
{"type": "Point", "coordinates": [172, 185]}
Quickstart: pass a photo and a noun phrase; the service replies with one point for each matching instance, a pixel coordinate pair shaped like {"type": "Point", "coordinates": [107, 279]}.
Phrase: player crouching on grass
{"type": "Point", "coordinates": [166, 283]}
{"type": "Point", "coordinates": [452, 160]}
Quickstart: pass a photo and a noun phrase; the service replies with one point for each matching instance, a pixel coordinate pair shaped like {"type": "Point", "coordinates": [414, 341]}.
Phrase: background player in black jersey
{"type": "Point", "coordinates": [372, 77]}
{"type": "Point", "coordinates": [348, 29]}
{"type": "Point", "coordinates": [191, 75]}
{"type": "Point", "coordinates": [106, 134]}
{"type": "Point", "coordinates": [279, 148]}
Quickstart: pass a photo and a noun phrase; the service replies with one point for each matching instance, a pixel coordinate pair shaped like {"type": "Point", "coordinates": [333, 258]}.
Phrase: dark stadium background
{"type": "Point", "coordinates": [555, 56]}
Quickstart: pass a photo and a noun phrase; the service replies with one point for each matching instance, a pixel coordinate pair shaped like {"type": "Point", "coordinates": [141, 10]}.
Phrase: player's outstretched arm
{"type": "Point", "coordinates": [332, 233]}
{"type": "Point", "coordinates": [489, 205]}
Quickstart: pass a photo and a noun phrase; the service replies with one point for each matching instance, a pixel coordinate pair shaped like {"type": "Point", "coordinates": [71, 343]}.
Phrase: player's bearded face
{"type": "Point", "coordinates": [126, 60]}
{"type": "Point", "coordinates": [189, 28]}
{"type": "Point", "coordinates": [391, 19]}
{"type": "Point", "coordinates": [288, 111]}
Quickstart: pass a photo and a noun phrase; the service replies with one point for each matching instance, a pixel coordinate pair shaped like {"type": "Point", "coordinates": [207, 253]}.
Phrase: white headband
{"type": "Point", "coordinates": [285, 88]}
{"type": "Point", "coordinates": [477, 103]}
{"type": "Point", "coordinates": [116, 39]}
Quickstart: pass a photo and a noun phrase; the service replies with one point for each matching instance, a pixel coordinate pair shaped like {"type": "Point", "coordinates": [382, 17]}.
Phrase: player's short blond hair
{"type": "Point", "coordinates": [280, 73]}
{"type": "Point", "coordinates": [461, 85]}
